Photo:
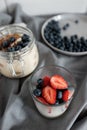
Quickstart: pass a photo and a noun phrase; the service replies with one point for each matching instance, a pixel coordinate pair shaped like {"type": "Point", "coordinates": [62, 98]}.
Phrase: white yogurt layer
{"type": "Point", "coordinates": [20, 67]}
{"type": "Point", "coordinates": [51, 111]}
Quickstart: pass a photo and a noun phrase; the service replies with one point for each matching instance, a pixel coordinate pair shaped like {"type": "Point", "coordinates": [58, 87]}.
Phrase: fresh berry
{"type": "Point", "coordinates": [67, 94]}
{"type": "Point", "coordinates": [49, 94]}
{"type": "Point", "coordinates": [39, 86]}
{"type": "Point", "coordinates": [52, 33]}
{"type": "Point", "coordinates": [25, 44]}
{"type": "Point", "coordinates": [67, 25]}
{"type": "Point", "coordinates": [37, 92]}
{"type": "Point", "coordinates": [64, 28]}
{"type": "Point", "coordinates": [59, 94]}
{"type": "Point", "coordinates": [61, 101]}
{"type": "Point", "coordinates": [58, 82]}
{"type": "Point", "coordinates": [11, 49]}
{"type": "Point", "coordinates": [42, 100]}
{"type": "Point", "coordinates": [5, 44]}
{"type": "Point", "coordinates": [12, 39]}
{"type": "Point", "coordinates": [46, 81]}
{"type": "Point", "coordinates": [20, 43]}
{"type": "Point", "coordinates": [40, 81]}
{"type": "Point", "coordinates": [25, 38]}
{"type": "Point", "coordinates": [76, 21]}
{"type": "Point", "coordinates": [18, 47]}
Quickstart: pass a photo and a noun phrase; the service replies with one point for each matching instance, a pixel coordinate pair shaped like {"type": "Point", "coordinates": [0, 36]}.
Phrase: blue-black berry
{"type": "Point", "coordinates": [37, 92]}
{"type": "Point", "coordinates": [74, 43]}
{"type": "Point", "coordinates": [25, 38]}
{"type": "Point", "coordinates": [76, 21]}
{"type": "Point", "coordinates": [11, 49]}
{"type": "Point", "coordinates": [12, 39]}
{"type": "Point", "coordinates": [59, 94]}
{"type": "Point", "coordinates": [18, 47]}
{"type": "Point", "coordinates": [5, 44]}
{"type": "Point", "coordinates": [40, 82]}
{"type": "Point", "coordinates": [25, 44]}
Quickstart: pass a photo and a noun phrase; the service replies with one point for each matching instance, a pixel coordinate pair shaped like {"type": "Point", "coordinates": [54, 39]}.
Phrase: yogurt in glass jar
{"type": "Point", "coordinates": [18, 51]}
{"type": "Point", "coordinates": [52, 90]}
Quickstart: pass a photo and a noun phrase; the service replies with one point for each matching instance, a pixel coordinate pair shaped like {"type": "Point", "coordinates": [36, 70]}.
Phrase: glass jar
{"type": "Point", "coordinates": [46, 109]}
{"type": "Point", "coordinates": [19, 63]}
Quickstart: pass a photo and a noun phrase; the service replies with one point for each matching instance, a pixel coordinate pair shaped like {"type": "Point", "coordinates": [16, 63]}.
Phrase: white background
{"type": "Point", "coordinates": [36, 7]}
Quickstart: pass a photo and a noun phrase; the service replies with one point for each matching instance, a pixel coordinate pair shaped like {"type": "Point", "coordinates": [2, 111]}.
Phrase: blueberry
{"type": "Point", "coordinates": [11, 49]}
{"type": "Point", "coordinates": [25, 44]}
{"type": "Point", "coordinates": [73, 39]}
{"type": "Point", "coordinates": [5, 44]}
{"type": "Point", "coordinates": [64, 28]}
{"type": "Point", "coordinates": [18, 47]}
{"type": "Point", "coordinates": [67, 25]}
{"type": "Point", "coordinates": [40, 82]}
{"type": "Point", "coordinates": [20, 43]}
{"type": "Point", "coordinates": [65, 39]}
{"type": "Point", "coordinates": [79, 50]}
{"type": "Point", "coordinates": [76, 21]}
{"type": "Point", "coordinates": [52, 32]}
{"type": "Point", "coordinates": [58, 45]}
{"type": "Point", "coordinates": [75, 36]}
{"type": "Point", "coordinates": [37, 92]}
{"type": "Point", "coordinates": [60, 101]}
{"type": "Point", "coordinates": [62, 48]}
{"type": "Point", "coordinates": [25, 38]}
{"type": "Point", "coordinates": [12, 39]}
{"type": "Point", "coordinates": [59, 94]}
{"type": "Point", "coordinates": [39, 86]}
{"type": "Point", "coordinates": [71, 49]}
{"type": "Point", "coordinates": [82, 49]}
{"type": "Point", "coordinates": [85, 43]}
{"type": "Point", "coordinates": [82, 39]}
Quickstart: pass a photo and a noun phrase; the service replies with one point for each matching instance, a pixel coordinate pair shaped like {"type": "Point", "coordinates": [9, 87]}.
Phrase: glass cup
{"type": "Point", "coordinates": [47, 110]}
{"type": "Point", "coordinates": [22, 62]}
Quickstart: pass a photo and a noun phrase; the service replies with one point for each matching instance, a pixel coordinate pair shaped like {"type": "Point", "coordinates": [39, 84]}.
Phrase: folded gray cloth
{"type": "Point", "coordinates": [17, 110]}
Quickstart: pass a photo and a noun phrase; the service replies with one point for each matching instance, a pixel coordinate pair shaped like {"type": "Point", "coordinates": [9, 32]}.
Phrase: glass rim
{"type": "Point", "coordinates": [57, 66]}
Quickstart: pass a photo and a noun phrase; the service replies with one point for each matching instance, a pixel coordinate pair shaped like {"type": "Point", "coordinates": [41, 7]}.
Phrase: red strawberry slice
{"type": "Point", "coordinates": [41, 99]}
{"type": "Point", "coordinates": [46, 81]}
{"type": "Point", "coordinates": [58, 82]}
{"type": "Point", "coordinates": [67, 94]}
{"type": "Point", "coordinates": [49, 94]}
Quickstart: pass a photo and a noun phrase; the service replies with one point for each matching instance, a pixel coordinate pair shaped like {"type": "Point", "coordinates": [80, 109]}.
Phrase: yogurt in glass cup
{"type": "Point", "coordinates": [22, 62]}
{"type": "Point", "coordinates": [48, 110]}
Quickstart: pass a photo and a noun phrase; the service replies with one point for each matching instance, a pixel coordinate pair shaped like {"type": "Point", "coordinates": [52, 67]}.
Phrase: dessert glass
{"type": "Point", "coordinates": [19, 63]}
{"type": "Point", "coordinates": [47, 110]}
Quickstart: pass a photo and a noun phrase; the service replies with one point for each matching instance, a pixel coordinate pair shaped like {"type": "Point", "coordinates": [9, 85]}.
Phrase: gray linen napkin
{"type": "Point", "coordinates": [17, 110]}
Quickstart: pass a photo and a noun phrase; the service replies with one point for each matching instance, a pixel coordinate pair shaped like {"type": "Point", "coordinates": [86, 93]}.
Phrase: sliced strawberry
{"type": "Point", "coordinates": [46, 81]}
{"type": "Point", "coordinates": [67, 94]}
{"type": "Point", "coordinates": [41, 99]}
{"type": "Point", "coordinates": [49, 94]}
{"type": "Point", "coordinates": [58, 82]}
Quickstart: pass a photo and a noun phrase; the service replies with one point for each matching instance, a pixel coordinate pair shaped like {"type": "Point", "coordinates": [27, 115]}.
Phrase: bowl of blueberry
{"type": "Point", "coordinates": [66, 34]}
{"type": "Point", "coordinates": [52, 89]}
{"type": "Point", "coordinates": [18, 51]}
